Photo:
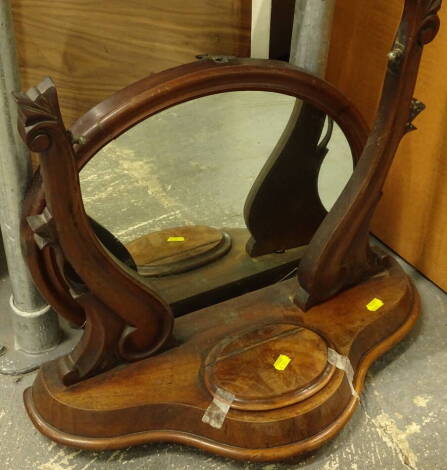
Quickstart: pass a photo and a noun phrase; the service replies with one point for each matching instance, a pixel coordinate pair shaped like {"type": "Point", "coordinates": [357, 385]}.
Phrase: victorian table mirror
{"type": "Point", "coordinates": [260, 368]}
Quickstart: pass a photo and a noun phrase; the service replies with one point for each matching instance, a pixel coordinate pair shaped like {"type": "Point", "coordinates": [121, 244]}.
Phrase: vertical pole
{"type": "Point", "coordinates": [35, 325]}
{"type": "Point", "coordinates": [311, 36]}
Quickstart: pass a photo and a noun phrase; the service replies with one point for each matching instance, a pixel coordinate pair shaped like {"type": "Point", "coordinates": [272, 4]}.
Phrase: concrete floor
{"type": "Point", "coordinates": [195, 164]}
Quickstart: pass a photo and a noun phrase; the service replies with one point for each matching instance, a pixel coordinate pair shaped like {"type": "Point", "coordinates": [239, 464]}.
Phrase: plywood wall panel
{"type": "Point", "coordinates": [92, 48]}
{"type": "Point", "coordinates": [412, 215]}
{"type": "Point", "coordinates": [362, 35]}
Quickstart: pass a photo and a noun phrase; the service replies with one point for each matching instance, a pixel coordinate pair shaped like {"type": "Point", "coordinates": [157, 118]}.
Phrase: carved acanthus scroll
{"type": "Point", "coordinates": [139, 322]}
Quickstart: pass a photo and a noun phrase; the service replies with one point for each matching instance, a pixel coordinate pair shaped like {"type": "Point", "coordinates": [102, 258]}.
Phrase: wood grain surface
{"type": "Point", "coordinates": [412, 216]}
{"type": "Point", "coordinates": [92, 48]}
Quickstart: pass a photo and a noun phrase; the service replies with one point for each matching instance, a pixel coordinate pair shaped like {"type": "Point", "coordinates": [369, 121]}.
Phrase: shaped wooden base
{"type": "Point", "coordinates": [275, 414]}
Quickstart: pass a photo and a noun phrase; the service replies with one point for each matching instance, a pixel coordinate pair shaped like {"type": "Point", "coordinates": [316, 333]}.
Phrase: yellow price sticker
{"type": "Point", "coordinates": [374, 305]}
{"type": "Point", "coordinates": [176, 239]}
{"type": "Point", "coordinates": [282, 362]}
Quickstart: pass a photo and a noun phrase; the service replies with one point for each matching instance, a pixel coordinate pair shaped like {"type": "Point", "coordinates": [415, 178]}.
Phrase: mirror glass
{"type": "Point", "coordinates": [195, 164]}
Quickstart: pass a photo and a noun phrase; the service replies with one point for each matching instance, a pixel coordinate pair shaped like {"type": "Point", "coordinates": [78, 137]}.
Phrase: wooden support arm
{"type": "Point", "coordinates": [148, 317]}
{"type": "Point", "coordinates": [339, 254]}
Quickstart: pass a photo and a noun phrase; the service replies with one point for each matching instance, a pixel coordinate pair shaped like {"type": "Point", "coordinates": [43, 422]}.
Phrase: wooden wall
{"type": "Point", "coordinates": [362, 35]}
{"type": "Point", "coordinates": [91, 48]}
{"type": "Point", "coordinates": [412, 216]}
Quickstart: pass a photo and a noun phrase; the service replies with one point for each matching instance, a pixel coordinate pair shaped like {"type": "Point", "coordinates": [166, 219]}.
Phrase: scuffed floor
{"type": "Point", "coordinates": [190, 165]}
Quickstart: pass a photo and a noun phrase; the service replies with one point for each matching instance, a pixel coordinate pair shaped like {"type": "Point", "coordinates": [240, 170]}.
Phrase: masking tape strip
{"type": "Point", "coordinates": [216, 413]}
{"type": "Point", "coordinates": [42, 229]}
{"type": "Point", "coordinates": [343, 363]}
{"type": "Point", "coordinates": [41, 242]}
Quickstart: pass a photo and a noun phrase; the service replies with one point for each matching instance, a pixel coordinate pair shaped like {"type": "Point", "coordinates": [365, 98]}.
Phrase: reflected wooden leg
{"type": "Point", "coordinates": [283, 209]}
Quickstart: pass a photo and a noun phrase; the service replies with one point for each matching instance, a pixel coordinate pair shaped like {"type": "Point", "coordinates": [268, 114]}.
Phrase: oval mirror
{"type": "Point", "coordinates": [172, 188]}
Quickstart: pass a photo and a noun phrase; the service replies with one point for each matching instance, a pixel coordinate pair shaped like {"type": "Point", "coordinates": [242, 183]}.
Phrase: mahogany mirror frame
{"type": "Point", "coordinates": [135, 103]}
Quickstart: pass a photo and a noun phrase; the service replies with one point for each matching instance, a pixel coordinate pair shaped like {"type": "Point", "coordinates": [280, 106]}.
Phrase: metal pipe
{"type": "Point", "coordinates": [35, 325]}
{"type": "Point", "coordinates": [311, 35]}
{"type": "Point", "coordinates": [311, 39]}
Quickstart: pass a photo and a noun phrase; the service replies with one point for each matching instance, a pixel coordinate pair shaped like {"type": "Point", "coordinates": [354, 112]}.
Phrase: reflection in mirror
{"type": "Point", "coordinates": [194, 165]}
{"type": "Point", "coordinates": [191, 164]}
{"type": "Point", "coordinates": [172, 189]}
{"type": "Point", "coordinates": [336, 169]}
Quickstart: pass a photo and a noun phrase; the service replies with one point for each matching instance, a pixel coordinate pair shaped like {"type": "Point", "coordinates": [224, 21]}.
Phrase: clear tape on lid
{"type": "Point", "coordinates": [218, 409]}
{"type": "Point", "coordinates": [343, 363]}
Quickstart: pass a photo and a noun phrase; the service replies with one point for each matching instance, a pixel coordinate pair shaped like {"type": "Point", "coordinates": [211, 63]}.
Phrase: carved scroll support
{"type": "Point", "coordinates": [102, 334]}
{"type": "Point", "coordinates": [339, 254]}
{"type": "Point", "coordinates": [109, 296]}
